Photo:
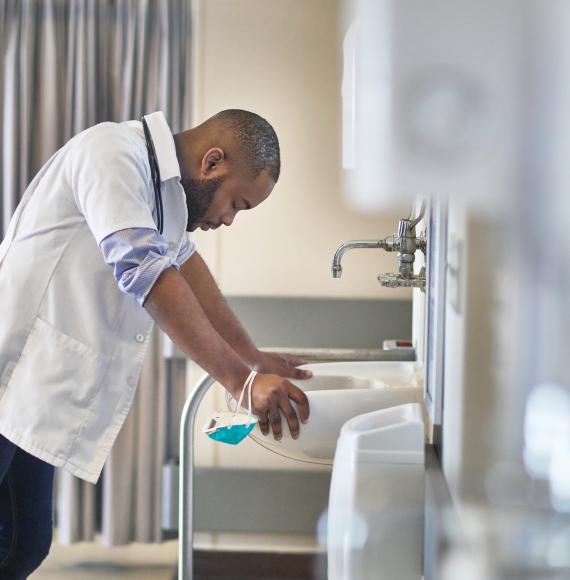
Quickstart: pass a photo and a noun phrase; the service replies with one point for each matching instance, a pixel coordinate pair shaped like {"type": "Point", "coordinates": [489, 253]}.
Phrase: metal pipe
{"type": "Point", "coordinates": [186, 482]}
{"type": "Point", "coordinates": [343, 248]}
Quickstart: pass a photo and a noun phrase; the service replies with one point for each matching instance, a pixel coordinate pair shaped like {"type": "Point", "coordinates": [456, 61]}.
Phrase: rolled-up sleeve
{"type": "Point", "coordinates": [138, 257]}
{"type": "Point", "coordinates": [186, 250]}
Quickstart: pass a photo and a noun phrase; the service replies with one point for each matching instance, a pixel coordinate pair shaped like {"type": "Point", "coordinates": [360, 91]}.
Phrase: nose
{"type": "Point", "coordinates": [228, 219]}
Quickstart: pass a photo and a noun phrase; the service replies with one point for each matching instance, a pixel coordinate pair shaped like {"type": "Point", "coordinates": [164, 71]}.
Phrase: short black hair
{"type": "Point", "coordinates": [256, 139]}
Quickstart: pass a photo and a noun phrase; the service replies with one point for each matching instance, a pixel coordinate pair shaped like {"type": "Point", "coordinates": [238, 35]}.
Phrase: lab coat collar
{"type": "Point", "coordinates": [163, 145]}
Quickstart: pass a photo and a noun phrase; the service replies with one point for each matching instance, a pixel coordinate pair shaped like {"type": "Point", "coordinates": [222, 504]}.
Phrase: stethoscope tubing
{"type": "Point", "coordinates": [155, 175]}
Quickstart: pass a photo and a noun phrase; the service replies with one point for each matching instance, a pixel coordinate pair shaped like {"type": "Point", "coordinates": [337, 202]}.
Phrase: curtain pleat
{"type": "Point", "coordinates": [65, 66]}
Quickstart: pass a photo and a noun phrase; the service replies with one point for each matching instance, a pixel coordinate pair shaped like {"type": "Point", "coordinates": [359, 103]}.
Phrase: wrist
{"type": "Point", "coordinates": [253, 357]}
{"type": "Point", "coordinates": [236, 379]}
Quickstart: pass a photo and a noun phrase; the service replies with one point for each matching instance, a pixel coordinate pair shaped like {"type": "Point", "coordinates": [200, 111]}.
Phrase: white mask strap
{"type": "Point", "coordinates": [247, 385]}
{"type": "Point", "coordinates": [250, 386]}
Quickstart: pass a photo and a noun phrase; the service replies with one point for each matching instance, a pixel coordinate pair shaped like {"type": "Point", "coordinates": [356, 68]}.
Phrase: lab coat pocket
{"type": "Point", "coordinates": [54, 383]}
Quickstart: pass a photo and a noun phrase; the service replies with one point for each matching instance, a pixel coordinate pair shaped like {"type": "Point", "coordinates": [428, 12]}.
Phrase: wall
{"type": "Point", "coordinates": [282, 59]}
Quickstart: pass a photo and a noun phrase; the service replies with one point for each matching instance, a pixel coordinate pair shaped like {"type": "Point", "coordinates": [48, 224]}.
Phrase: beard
{"type": "Point", "coordinates": [199, 196]}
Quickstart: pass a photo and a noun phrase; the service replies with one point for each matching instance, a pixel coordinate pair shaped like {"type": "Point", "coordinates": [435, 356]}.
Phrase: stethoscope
{"type": "Point", "coordinates": [155, 174]}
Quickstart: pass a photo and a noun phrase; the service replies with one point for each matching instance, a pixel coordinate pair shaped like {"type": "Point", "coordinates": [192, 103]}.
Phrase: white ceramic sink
{"type": "Point", "coordinates": [338, 392]}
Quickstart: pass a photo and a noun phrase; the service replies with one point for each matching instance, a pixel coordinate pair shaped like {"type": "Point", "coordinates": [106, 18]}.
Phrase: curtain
{"type": "Point", "coordinates": [66, 65]}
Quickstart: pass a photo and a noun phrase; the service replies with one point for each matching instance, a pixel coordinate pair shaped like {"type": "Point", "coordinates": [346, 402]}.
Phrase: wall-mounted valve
{"type": "Point", "coordinates": [405, 242]}
{"type": "Point", "coordinates": [408, 244]}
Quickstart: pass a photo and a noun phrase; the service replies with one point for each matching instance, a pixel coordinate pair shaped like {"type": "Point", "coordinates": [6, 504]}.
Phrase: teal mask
{"type": "Point", "coordinates": [233, 427]}
{"type": "Point", "coordinates": [233, 433]}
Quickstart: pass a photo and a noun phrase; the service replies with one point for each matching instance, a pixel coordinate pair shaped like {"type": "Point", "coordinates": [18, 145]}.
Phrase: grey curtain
{"type": "Point", "coordinates": [66, 65]}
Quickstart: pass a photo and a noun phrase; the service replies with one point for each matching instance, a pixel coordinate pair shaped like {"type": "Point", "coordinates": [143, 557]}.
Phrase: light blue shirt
{"type": "Point", "coordinates": [138, 257]}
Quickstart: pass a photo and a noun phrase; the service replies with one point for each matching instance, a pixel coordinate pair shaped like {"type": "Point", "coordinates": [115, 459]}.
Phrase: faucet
{"type": "Point", "coordinates": [405, 242]}
{"type": "Point", "coordinates": [336, 268]}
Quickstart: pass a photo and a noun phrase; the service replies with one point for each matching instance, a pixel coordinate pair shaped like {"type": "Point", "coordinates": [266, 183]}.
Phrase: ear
{"type": "Point", "coordinates": [212, 160]}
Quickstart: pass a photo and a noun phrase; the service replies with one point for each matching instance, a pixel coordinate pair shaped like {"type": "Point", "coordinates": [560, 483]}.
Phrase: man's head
{"type": "Point", "coordinates": [228, 163]}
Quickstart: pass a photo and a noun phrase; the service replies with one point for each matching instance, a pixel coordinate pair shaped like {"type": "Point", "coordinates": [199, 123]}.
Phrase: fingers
{"type": "Point", "coordinates": [300, 398]}
{"type": "Point", "coordinates": [302, 374]}
{"type": "Point", "coordinates": [293, 360]}
{"type": "Point", "coordinates": [291, 417]}
{"type": "Point", "coordinates": [275, 420]}
{"type": "Point", "coordinates": [291, 372]}
{"type": "Point", "coordinates": [263, 423]}
{"type": "Point", "coordinates": [295, 373]}
{"type": "Point", "coordinates": [273, 396]}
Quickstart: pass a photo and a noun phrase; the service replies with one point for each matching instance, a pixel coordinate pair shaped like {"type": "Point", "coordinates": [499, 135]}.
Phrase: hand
{"type": "Point", "coordinates": [272, 394]}
{"type": "Point", "coordinates": [284, 365]}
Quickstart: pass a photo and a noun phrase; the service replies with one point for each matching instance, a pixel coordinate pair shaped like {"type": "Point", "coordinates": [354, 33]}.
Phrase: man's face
{"type": "Point", "coordinates": [214, 201]}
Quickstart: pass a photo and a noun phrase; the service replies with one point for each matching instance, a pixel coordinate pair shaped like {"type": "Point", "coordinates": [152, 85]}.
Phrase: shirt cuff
{"type": "Point", "coordinates": [138, 257]}
{"type": "Point", "coordinates": [186, 250]}
{"type": "Point", "coordinates": [138, 282]}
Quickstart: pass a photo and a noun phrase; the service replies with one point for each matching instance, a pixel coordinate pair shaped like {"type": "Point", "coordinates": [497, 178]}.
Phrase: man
{"type": "Point", "coordinates": [96, 249]}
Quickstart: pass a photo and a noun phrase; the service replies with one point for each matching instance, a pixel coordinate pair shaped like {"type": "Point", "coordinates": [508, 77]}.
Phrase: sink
{"type": "Point", "coordinates": [338, 392]}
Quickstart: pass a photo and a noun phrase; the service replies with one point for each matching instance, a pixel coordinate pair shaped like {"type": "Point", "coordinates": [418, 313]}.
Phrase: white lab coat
{"type": "Point", "coordinates": [71, 343]}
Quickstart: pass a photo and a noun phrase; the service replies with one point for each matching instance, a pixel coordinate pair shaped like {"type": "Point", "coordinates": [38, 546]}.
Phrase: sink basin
{"type": "Point", "coordinates": [338, 392]}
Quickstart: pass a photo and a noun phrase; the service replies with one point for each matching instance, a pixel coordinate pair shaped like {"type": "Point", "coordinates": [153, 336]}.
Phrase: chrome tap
{"type": "Point", "coordinates": [405, 242]}
{"type": "Point", "coordinates": [408, 244]}
{"type": "Point", "coordinates": [343, 248]}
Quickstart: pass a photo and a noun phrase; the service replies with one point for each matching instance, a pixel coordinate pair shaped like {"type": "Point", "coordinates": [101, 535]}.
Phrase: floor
{"type": "Point", "coordinates": [91, 560]}
{"type": "Point", "coordinates": [86, 561]}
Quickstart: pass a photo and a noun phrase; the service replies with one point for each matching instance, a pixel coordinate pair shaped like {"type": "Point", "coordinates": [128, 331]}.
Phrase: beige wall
{"type": "Point", "coordinates": [282, 59]}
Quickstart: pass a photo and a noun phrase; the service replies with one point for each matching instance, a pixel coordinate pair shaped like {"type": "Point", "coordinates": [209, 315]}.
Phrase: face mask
{"type": "Point", "coordinates": [233, 427]}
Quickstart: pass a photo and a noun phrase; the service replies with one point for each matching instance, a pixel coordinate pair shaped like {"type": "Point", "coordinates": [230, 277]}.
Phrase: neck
{"type": "Point", "coordinates": [184, 152]}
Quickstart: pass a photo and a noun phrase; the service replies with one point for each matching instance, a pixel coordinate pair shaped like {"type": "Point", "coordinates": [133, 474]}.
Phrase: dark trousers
{"type": "Point", "coordinates": [26, 490]}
